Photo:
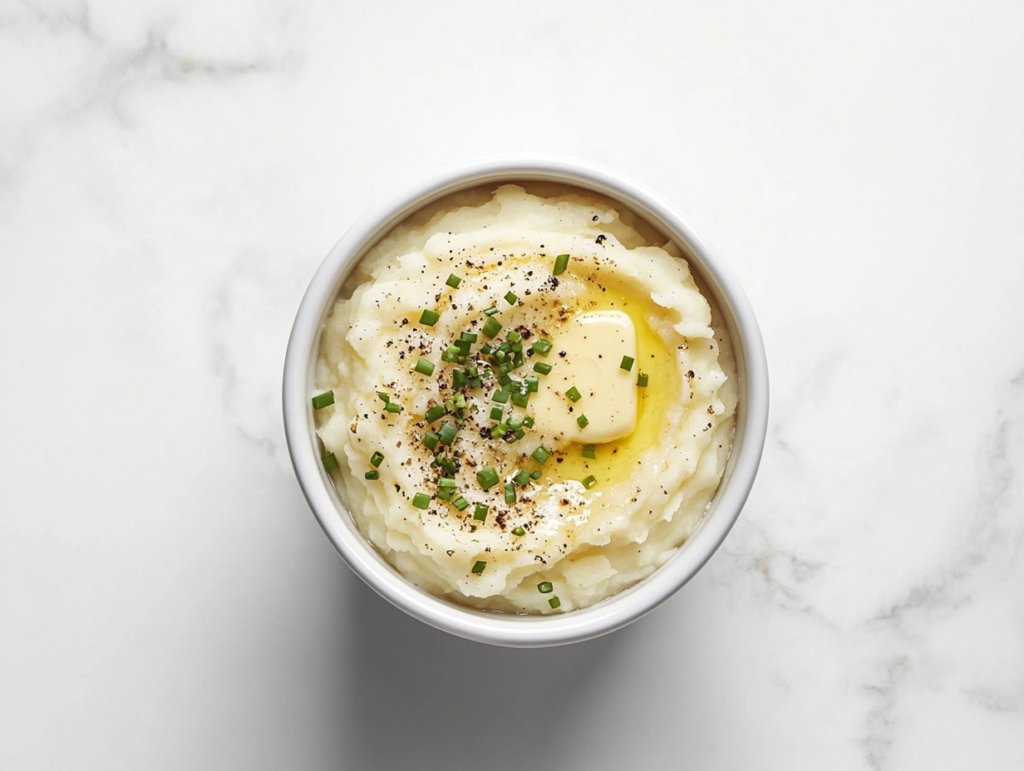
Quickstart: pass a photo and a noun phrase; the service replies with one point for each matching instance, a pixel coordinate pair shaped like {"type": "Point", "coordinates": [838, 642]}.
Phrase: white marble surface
{"type": "Point", "coordinates": [172, 172]}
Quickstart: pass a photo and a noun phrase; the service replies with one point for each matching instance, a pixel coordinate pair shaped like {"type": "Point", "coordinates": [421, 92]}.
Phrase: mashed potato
{"type": "Point", "coordinates": [445, 345]}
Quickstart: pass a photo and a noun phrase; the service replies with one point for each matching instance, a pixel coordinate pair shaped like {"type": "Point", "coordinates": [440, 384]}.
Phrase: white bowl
{"type": "Point", "coordinates": [620, 609]}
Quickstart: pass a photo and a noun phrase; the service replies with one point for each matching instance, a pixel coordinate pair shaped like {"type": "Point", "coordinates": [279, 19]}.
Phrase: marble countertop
{"type": "Point", "coordinates": [173, 171]}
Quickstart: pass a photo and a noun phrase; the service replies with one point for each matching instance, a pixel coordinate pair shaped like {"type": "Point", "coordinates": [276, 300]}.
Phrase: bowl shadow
{"type": "Point", "coordinates": [420, 698]}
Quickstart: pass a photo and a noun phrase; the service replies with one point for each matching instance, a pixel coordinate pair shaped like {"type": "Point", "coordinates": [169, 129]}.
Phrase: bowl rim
{"type": "Point", "coordinates": [619, 609]}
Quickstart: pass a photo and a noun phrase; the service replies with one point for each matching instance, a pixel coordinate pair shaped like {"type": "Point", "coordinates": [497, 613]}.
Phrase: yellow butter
{"type": "Point", "coordinates": [594, 344]}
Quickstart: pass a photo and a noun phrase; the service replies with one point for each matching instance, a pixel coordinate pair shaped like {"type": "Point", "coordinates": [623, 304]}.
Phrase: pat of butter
{"type": "Point", "coordinates": [594, 344]}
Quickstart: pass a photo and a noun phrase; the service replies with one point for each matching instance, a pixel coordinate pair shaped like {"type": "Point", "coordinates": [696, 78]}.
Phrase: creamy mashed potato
{"type": "Point", "coordinates": [468, 483]}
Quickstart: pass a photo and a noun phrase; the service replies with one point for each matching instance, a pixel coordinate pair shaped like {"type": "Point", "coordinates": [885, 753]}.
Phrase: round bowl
{"type": "Point", "coordinates": [613, 612]}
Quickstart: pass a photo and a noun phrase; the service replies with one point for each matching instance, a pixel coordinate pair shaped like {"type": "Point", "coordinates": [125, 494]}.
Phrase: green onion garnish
{"type": "Point", "coordinates": [376, 459]}
{"type": "Point", "coordinates": [329, 460]}
{"type": "Point", "coordinates": [425, 367]}
{"type": "Point", "coordinates": [522, 477]}
{"type": "Point", "coordinates": [528, 421]}
{"type": "Point", "coordinates": [540, 455]}
{"type": "Point", "coordinates": [510, 493]}
{"type": "Point", "coordinates": [429, 318]}
{"type": "Point", "coordinates": [448, 483]}
{"type": "Point", "coordinates": [491, 327]}
{"type": "Point", "coordinates": [573, 394]}
{"type": "Point", "coordinates": [459, 379]}
{"type": "Point", "coordinates": [514, 336]}
{"type": "Point", "coordinates": [641, 380]}
{"type": "Point", "coordinates": [511, 298]}
{"type": "Point", "coordinates": [561, 263]}
{"type": "Point", "coordinates": [383, 397]}
{"type": "Point", "coordinates": [590, 451]}
{"type": "Point", "coordinates": [372, 475]}
{"type": "Point", "coordinates": [478, 568]}
{"type": "Point", "coordinates": [501, 397]}
{"type": "Point", "coordinates": [542, 367]}
{"type": "Point", "coordinates": [326, 399]}
{"type": "Point", "coordinates": [532, 384]}
{"type": "Point", "coordinates": [451, 354]}
{"type": "Point", "coordinates": [535, 474]}
{"type": "Point", "coordinates": [521, 399]}
{"type": "Point", "coordinates": [589, 482]}
{"type": "Point", "coordinates": [627, 363]}
{"type": "Point", "coordinates": [487, 477]}
{"type": "Point", "coordinates": [469, 337]}
{"type": "Point", "coordinates": [435, 412]}
{"type": "Point", "coordinates": [543, 347]}
{"type": "Point", "coordinates": [447, 433]}
{"type": "Point", "coordinates": [554, 602]}
{"type": "Point", "coordinates": [545, 587]}
{"type": "Point", "coordinates": [453, 281]}
{"type": "Point", "coordinates": [582, 421]}
{"type": "Point", "coordinates": [461, 503]}
{"type": "Point", "coordinates": [490, 311]}
{"type": "Point", "coordinates": [519, 531]}
{"type": "Point", "coordinates": [393, 407]}
{"type": "Point", "coordinates": [445, 494]}
{"type": "Point", "coordinates": [430, 440]}
{"type": "Point", "coordinates": [480, 512]}
{"type": "Point", "coordinates": [496, 413]}
{"type": "Point", "coordinates": [421, 500]}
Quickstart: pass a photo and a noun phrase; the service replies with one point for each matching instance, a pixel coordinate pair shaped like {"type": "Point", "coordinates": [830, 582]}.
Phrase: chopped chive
{"type": "Point", "coordinates": [451, 354]}
{"type": "Point", "coordinates": [522, 477]}
{"type": "Point", "coordinates": [475, 382]}
{"type": "Point", "coordinates": [511, 298]}
{"type": "Point", "coordinates": [519, 531]}
{"type": "Point", "coordinates": [542, 367]}
{"type": "Point", "coordinates": [459, 379]}
{"type": "Point", "coordinates": [590, 451]}
{"type": "Point", "coordinates": [326, 399]}
{"type": "Point", "coordinates": [491, 327]}
{"type": "Point", "coordinates": [520, 399]}
{"type": "Point", "coordinates": [490, 311]}
{"type": "Point", "coordinates": [372, 475]}
{"type": "Point", "coordinates": [435, 412]}
{"type": "Point", "coordinates": [393, 407]}
{"type": "Point", "coordinates": [532, 384]}
{"type": "Point", "coordinates": [561, 263]}
{"type": "Point", "coordinates": [429, 318]}
{"type": "Point", "coordinates": [501, 397]}
{"type": "Point", "coordinates": [543, 347]}
{"type": "Point", "coordinates": [535, 474]}
{"type": "Point", "coordinates": [545, 587]}
{"type": "Point", "coordinates": [540, 455]}
{"type": "Point", "coordinates": [528, 421]}
{"type": "Point", "coordinates": [480, 512]}
{"type": "Point", "coordinates": [383, 397]}
{"type": "Point", "coordinates": [589, 482]}
{"type": "Point", "coordinates": [421, 500]}
{"type": "Point", "coordinates": [461, 503]}
{"type": "Point", "coordinates": [447, 483]}
{"type": "Point", "coordinates": [430, 440]}
{"type": "Point", "coordinates": [478, 568]}
{"type": "Point", "coordinates": [573, 394]}
{"type": "Point", "coordinates": [504, 380]}
{"type": "Point", "coordinates": [445, 494]}
{"type": "Point", "coordinates": [510, 493]}
{"type": "Point", "coordinates": [453, 281]}
{"type": "Point", "coordinates": [425, 367]}
{"type": "Point", "coordinates": [486, 348]}
{"type": "Point", "coordinates": [487, 477]}
{"type": "Point", "coordinates": [554, 602]}
{"type": "Point", "coordinates": [330, 461]}
{"type": "Point", "coordinates": [497, 413]}
{"type": "Point", "coordinates": [376, 459]}
{"type": "Point", "coordinates": [641, 380]}
{"type": "Point", "coordinates": [514, 336]}
{"type": "Point", "coordinates": [582, 421]}
{"type": "Point", "coordinates": [627, 363]}
{"type": "Point", "coordinates": [519, 434]}
{"type": "Point", "coordinates": [447, 433]}
{"type": "Point", "coordinates": [515, 421]}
